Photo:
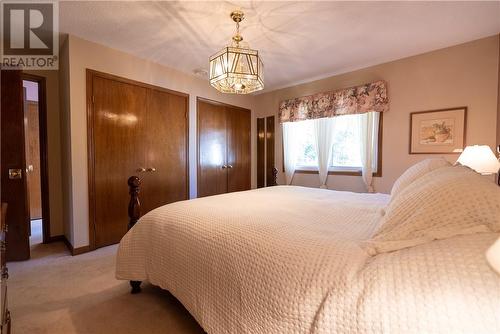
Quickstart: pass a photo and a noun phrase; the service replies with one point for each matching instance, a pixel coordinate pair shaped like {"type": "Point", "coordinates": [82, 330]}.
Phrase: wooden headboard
{"type": "Point", "coordinates": [134, 206]}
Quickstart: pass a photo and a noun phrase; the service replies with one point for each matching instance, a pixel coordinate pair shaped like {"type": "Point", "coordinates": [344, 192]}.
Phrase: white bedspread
{"type": "Point", "coordinates": [288, 260]}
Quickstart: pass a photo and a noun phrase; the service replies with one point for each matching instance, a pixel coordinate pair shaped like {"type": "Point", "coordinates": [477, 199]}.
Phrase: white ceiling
{"type": "Point", "coordinates": [299, 41]}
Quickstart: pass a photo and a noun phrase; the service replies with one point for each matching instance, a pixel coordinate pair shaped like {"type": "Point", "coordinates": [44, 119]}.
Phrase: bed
{"type": "Point", "coordinates": [289, 259]}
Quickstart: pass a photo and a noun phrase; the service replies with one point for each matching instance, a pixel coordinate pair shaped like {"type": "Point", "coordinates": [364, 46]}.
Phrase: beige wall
{"type": "Point", "coordinates": [463, 75]}
{"type": "Point", "coordinates": [466, 74]}
{"type": "Point", "coordinates": [53, 150]}
{"type": "Point", "coordinates": [64, 89]}
{"type": "Point", "coordinates": [84, 54]}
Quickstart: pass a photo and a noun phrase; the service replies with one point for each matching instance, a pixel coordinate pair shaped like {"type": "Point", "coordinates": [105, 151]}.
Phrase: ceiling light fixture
{"type": "Point", "coordinates": [237, 69]}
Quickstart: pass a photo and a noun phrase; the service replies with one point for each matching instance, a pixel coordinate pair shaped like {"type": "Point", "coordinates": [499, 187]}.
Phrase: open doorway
{"type": "Point", "coordinates": [36, 158]}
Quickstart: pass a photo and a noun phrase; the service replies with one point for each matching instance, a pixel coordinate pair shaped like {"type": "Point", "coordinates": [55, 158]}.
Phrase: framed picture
{"type": "Point", "coordinates": [438, 131]}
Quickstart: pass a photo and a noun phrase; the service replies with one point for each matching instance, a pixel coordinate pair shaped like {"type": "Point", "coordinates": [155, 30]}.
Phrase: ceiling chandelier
{"type": "Point", "coordinates": [237, 69]}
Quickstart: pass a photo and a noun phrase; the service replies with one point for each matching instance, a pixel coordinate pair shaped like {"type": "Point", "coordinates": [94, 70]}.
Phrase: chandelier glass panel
{"type": "Point", "coordinates": [237, 69]}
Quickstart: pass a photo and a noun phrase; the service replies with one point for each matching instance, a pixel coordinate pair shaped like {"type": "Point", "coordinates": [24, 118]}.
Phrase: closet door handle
{"type": "Point", "coordinates": [141, 170]}
{"type": "Point", "coordinates": [224, 166]}
{"type": "Point", "coordinates": [229, 166]}
{"type": "Point", "coordinates": [151, 169]}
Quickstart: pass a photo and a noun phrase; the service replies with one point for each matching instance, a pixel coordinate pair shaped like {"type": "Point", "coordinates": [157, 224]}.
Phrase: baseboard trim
{"type": "Point", "coordinates": [72, 250]}
{"type": "Point", "coordinates": [56, 238]}
{"type": "Point", "coordinates": [68, 244]}
{"type": "Point", "coordinates": [80, 250]}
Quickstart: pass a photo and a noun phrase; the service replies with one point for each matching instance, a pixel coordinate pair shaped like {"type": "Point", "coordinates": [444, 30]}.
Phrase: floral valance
{"type": "Point", "coordinates": [371, 97]}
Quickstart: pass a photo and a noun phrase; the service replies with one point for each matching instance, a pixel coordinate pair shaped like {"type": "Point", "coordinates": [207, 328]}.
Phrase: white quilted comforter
{"type": "Point", "coordinates": [287, 260]}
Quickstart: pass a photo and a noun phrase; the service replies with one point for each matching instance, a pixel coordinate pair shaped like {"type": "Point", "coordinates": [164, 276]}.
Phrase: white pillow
{"type": "Point", "coordinates": [443, 203]}
{"type": "Point", "coordinates": [416, 171]}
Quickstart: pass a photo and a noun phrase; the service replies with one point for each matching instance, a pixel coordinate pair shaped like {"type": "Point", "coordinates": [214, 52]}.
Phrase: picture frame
{"type": "Point", "coordinates": [439, 131]}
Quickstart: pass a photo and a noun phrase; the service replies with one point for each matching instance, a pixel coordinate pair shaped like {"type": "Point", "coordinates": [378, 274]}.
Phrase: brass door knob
{"type": "Point", "coordinates": [224, 166]}
{"type": "Point", "coordinates": [151, 169]}
{"type": "Point", "coordinates": [229, 166]}
{"type": "Point", "coordinates": [15, 174]}
{"type": "Point", "coordinates": [141, 170]}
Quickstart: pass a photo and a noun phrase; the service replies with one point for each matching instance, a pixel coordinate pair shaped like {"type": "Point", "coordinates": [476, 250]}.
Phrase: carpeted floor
{"type": "Point", "coordinates": [55, 292]}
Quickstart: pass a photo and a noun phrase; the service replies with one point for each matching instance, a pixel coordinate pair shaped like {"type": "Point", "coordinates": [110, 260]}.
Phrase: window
{"type": "Point", "coordinates": [346, 151]}
{"type": "Point", "coordinates": [306, 153]}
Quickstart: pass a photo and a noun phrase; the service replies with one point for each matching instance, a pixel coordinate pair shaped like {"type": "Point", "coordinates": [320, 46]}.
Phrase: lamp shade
{"type": "Point", "coordinates": [493, 256]}
{"type": "Point", "coordinates": [480, 158]}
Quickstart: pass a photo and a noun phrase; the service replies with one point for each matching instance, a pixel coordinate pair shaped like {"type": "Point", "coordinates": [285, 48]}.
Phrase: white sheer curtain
{"type": "Point", "coordinates": [367, 135]}
{"type": "Point", "coordinates": [323, 142]}
{"type": "Point", "coordinates": [290, 146]}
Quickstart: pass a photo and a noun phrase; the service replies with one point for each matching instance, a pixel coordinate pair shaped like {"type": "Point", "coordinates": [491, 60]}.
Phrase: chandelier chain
{"type": "Point", "coordinates": [237, 17]}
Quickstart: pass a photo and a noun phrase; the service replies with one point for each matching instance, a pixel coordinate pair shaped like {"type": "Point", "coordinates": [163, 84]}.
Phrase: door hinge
{"type": "Point", "coordinates": [93, 99]}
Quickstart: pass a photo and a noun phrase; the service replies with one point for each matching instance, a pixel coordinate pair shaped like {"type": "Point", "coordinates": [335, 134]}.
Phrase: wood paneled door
{"type": "Point", "coordinates": [212, 147]}
{"type": "Point", "coordinates": [224, 154]}
{"type": "Point", "coordinates": [261, 147]}
{"type": "Point", "coordinates": [238, 154]}
{"type": "Point", "coordinates": [166, 150]}
{"type": "Point", "coordinates": [269, 151]}
{"type": "Point", "coordinates": [32, 144]}
{"type": "Point", "coordinates": [13, 166]}
{"type": "Point", "coordinates": [265, 152]}
{"type": "Point", "coordinates": [134, 129]}
{"type": "Point", "coordinates": [24, 154]}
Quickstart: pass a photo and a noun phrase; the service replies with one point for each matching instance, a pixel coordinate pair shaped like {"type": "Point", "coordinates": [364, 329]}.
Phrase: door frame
{"type": "Point", "coordinates": [217, 103]}
{"type": "Point", "coordinates": [44, 162]}
{"type": "Point", "coordinates": [90, 74]}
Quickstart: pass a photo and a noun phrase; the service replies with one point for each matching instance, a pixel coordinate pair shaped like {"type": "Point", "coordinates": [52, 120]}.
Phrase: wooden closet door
{"type": "Point", "coordinates": [238, 149]}
{"type": "Point", "coordinates": [212, 175]}
{"type": "Point", "coordinates": [269, 150]}
{"type": "Point", "coordinates": [119, 117]}
{"type": "Point", "coordinates": [261, 147]}
{"type": "Point", "coordinates": [32, 138]}
{"type": "Point", "coordinates": [167, 141]}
